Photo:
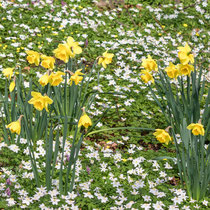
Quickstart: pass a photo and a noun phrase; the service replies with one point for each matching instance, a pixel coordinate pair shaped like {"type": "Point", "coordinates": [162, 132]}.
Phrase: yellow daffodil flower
{"type": "Point", "coordinates": [56, 78]}
{"type": "Point", "coordinates": [40, 102]}
{"type": "Point", "coordinates": [84, 120]}
{"type": "Point", "coordinates": [147, 76]}
{"type": "Point", "coordinates": [47, 101]}
{"type": "Point", "coordinates": [149, 64]}
{"type": "Point", "coordinates": [47, 62]}
{"type": "Point", "coordinates": [162, 136]}
{"type": "Point", "coordinates": [44, 80]}
{"type": "Point", "coordinates": [68, 49]}
{"type": "Point", "coordinates": [8, 72]}
{"type": "Point", "coordinates": [37, 101]}
{"type": "Point", "coordinates": [62, 52]}
{"type": "Point", "coordinates": [172, 71]}
{"type": "Point", "coordinates": [74, 47]}
{"type": "Point", "coordinates": [197, 129]}
{"type": "Point", "coordinates": [76, 77]}
{"type": "Point", "coordinates": [184, 55]}
{"type": "Point", "coordinates": [15, 127]}
{"type": "Point", "coordinates": [33, 57]}
{"type": "Point", "coordinates": [185, 69]}
{"type": "Point", "coordinates": [105, 59]}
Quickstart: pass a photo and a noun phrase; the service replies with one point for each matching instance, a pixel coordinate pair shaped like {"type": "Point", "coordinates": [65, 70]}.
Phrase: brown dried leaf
{"type": "Point", "coordinates": [26, 69]}
{"type": "Point", "coordinates": [139, 7]}
{"type": "Point", "coordinates": [102, 4]}
{"type": "Point", "coordinates": [173, 181]}
{"type": "Point", "coordinates": [127, 6]}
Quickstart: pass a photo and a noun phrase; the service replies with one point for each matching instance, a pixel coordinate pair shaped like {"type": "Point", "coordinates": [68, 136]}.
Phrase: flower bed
{"type": "Point", "coordinates": [115, 170]}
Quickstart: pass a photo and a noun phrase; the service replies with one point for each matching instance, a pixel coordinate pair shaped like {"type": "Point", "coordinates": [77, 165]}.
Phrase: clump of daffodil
{"type": "Point", "coordinates": [149, 64]}
{"type": "Point", "coordinates": [197, 129]}
{"type": "Point", "coordinates": [76, 77]}
{"type": "Point", "coordinates": [105, 59]}
{"type": "Point", "coordinates": [162, 136]}
{"type": "Point", "coordinates": [8, 72]}
{"type": "Point", "coordinates": [47, 62]}
{"type": "Point", "coordinates": [185, 69]}
{"type": "Point", "coordinates": [67, 50]}
{"type": "Point", "coordinates": [40, 102]}
{"type": "Point", "coordinates": [84, 120]}
{"type": "Point", "coordinates": [12, 85]}
{"type": "Point", "coordinates": [172, 71]}
{"type": "Point", "coordinates": [184, 55]}
{"type": "Point", "coordinates": [146, 76]}
{"type": "Point", "coordinates": [33, 57]}
{"type": "Point", "coordinates": [15, 127]}
{"type": "Point", "coordinates": [56, 78]}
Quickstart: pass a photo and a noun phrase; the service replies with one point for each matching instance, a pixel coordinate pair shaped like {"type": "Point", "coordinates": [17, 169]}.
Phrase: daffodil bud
{"type": "Point", "coordinates": [12, 86]}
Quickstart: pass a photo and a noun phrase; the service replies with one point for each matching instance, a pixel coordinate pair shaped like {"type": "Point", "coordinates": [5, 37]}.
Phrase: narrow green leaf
{"type": "Point", "coordinates": [120, 128]}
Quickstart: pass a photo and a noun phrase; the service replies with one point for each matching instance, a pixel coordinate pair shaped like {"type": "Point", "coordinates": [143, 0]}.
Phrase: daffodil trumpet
{"type": "Point", "coordinates": [15, 127]}
{"type": "Point", "coordinates": [84, 120]}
